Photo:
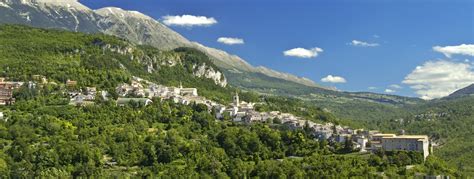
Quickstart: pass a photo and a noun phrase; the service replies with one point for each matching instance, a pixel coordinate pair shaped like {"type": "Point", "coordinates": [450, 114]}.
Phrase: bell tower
{"type": "Point", "coordinates": [236, 100]}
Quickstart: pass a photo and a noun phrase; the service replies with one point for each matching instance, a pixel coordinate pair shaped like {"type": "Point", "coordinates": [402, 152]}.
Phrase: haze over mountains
{"type": "Point", "coordinates": [131, 25]}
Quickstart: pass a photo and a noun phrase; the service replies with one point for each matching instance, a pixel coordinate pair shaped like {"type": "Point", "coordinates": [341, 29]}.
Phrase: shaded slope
{"type": "Point", "coordinates": [467, 91]}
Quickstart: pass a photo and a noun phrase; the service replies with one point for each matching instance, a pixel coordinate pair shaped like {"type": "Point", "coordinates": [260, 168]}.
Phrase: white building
{"type": "Point", "coordinates": [236, 100]}
{"type": "Point", "coordinates": [124, 89]}
{"type": "Point", "coordinates": [376, 140]}
{"type": "Point", "coordinates": [246, 106]}
{"type": "Point", "coordinates": [77, 100]}
{"type": "Point", "coordinates": [378, 137]}
{"type": "Point", "coordinates": [219, 110]}
{"type": "Point", "coordinates": [362, 141]}
{"type": "Point", "coordinates": [136, 84]}
{"type": "Point", "coordinates": [418, 143]}
{"type": "Point", "coordinates": [139, 92]}
{"type": "Point", "coordinates": [181, 100]}
{"type": "Point", "coordinates": [265, 116]}
{"type": "Point", "coordinates": [254, 117]}
{"type": "Point", "coordinates": [274, 113]}
{"type": "Point", "coordinates": [104, 94]}
{"type": "Point", "coordinates": [91, 91]}
{"type": "Point", "coordinates": [188, 92]}
{"type": "Point", "coordinates": [239, 117]}
{"type": "Point", "coordinates": [31, 85]}
{"type": "Point", "coordinates": [174, 91]}
{"type": "Point", "coordinates": [232, 111]}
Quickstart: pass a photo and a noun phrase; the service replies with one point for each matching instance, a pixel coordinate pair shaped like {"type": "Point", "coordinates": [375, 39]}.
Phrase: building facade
{"type": "Point", "coordinates": [419, 143]}
{"type": "Point", "coordinates": [6, 94]}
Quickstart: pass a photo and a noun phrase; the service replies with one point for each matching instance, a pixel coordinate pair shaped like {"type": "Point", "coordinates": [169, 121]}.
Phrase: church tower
{"type": "Point", "coordinates": [236, 100]}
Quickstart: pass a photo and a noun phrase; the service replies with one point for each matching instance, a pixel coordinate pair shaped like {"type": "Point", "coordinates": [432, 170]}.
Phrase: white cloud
{"type": "Point", "coordinates": [463, 49]}
{"type": "Point", "coordinates": [390, 91]}
{"type": "Point", "coordinates": [230, 40]}
{"type": "Point", "coordinates": [395, 86]}
{"type": "Point", "coordinates": [333, 79]}
{"type": "Point", "coordinates": [372, 88]}
{"type": "Point", "coordinates": [188, 20]}
{"type": "Point", "coordinates": [358, 43]}
{"type": "Point", "coordinates": [376, 36]}
{"type": "Point", "coordinates": [303, 53]}
{"type": "Point", "coordinates": [436, 79]}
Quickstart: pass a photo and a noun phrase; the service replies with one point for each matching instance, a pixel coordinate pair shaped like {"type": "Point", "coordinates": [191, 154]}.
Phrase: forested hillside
{"type": "Point", "coordinates": [42, 136]}
{"type": "Point", "coordinates": [45, 138]}
{"type": "Point", "coordinates": [449, 122]}
{"type": "Point", "coordinates": [100, 60]}
{"type": "Point", "coordinates": [142, 29]}
{"type": "Point", "coordinates": [131, 25]}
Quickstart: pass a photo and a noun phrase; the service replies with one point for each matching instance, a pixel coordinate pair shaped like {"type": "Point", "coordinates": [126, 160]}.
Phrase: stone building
{"type": "Point", "coordinates": [6, 94]}
{"type": "Point", "coordinates": [418, 143]}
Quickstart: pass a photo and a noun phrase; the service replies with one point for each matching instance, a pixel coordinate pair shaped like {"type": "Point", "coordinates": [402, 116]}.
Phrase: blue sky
{"type": "Point", "coordinates": [399, 36]}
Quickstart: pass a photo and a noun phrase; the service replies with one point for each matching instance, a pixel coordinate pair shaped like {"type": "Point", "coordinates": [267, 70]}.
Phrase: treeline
{"type": "Point", "coordinates": [42, 138]}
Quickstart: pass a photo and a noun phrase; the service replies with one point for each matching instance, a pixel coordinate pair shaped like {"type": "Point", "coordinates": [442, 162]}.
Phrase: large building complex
{"type": "Point", "coordinates": [418, 143]}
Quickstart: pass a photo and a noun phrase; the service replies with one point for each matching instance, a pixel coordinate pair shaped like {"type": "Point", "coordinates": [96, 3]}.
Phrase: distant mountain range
{"type": "Point", "coordinates": [142, 29]}
{"type": "Point", "coordinates": [131, 25]}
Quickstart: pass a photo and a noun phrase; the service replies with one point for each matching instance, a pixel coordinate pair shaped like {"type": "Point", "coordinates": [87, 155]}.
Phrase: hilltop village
{"type": "Point", "coordinates": [143, 92]}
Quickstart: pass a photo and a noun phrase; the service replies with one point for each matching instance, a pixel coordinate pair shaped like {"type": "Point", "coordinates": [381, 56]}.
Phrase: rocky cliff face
{"type": "Point", "coordinates": [211, 73]}
{"type": "Point", "coordinates": [59, 14]}
{"type": "Point", "coordinates": [153, 62]}
{"type": "Point", "coordinates": [131, 25]}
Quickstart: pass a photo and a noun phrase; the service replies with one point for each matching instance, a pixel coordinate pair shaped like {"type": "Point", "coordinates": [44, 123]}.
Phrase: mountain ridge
{"type": "Point", "coordinates": [466, 91]}
{"type": "Point", "coordinates": [140, 29]}
{"type": "Point", "coordinates": [132, 25]}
